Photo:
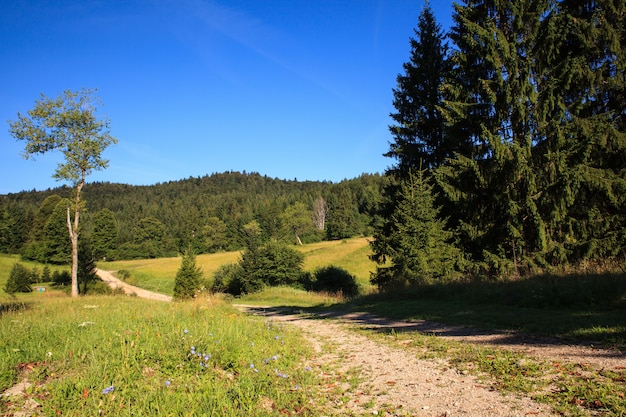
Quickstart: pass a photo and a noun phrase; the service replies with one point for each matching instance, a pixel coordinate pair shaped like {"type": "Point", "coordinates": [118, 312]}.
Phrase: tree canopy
{"type": "Point", "coordinates": [69, 124]}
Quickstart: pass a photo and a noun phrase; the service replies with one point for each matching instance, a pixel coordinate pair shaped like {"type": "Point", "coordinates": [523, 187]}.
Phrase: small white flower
{"type": "Point", "coordinates": [49, 354]}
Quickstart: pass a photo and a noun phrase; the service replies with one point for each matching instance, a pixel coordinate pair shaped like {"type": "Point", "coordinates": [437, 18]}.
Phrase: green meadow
{"type": "Point", "coordinates": [126, 356]}
{"type": "Point", "coordinates": [114, 355]}
{"type": "Point", "coordinates": [158, 274]}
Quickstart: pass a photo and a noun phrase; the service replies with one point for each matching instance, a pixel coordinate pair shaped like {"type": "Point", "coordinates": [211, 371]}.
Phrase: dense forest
{"type": "Point", "coordinates": [206, 213]}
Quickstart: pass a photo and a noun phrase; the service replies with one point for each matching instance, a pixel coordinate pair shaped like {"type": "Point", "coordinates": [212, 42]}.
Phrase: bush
{"type": "Point", "coordinates": [187, 280]}
{"type": "Point", "coordinates": [272, 264]}
{"type": "Point", "coordinates": [225, 279]}
{"type": "Point", "coordinates": [19, 280]}
{"type": "Point", "coordinates": [61, 278]}
{"type": "Point", "coordinates": [334, 279]}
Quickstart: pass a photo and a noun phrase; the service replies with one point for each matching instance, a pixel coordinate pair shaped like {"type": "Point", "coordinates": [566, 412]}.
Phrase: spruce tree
{"type": "Point", "coordinates": [415, 248]}
{"type": "Point", "coordinates": [492, 188]}
{"type": "Point", "coordinates": [104, 235]}
{"type": "Point", "coordinates": [58, 247]}
{"type": "Point", "coordinates": [19, 280]}
{"type": "Point", "coordinates": [581, 111]}
{"type": "Point", "coordinates": [86, 266]}
{"type": "Point", "coordinates": [187, 280]}
{"type": "Point", "coordinates": [418, 132]}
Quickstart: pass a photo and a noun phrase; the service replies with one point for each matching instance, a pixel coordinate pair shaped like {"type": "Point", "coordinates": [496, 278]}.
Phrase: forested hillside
{"type": "Point", "coordinates": [206, 213]}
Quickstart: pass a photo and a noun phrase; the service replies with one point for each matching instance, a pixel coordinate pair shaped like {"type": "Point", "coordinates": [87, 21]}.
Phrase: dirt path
{"type": "Point", "coordinates": [394, 382]}
{"type": "Point", "coordinates": [113, 282]}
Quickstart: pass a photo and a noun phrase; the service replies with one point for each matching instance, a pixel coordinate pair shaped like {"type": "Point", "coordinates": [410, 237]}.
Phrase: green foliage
{"type": "Point", "coordinates": [187, 281]}
{"type": "Point", "coordinates": [58, 247]}
{"type": "Point", "coordinates": [144, 351]}
{"type": "Point", "coordinates": [86, 266]}
{"type": "Point", "coordinates": [419, 136]}
{"type": "Point", "coordinates": [46, 275]}
{"type": "Point", "coordinates": [214, 235]}
{"type": "Point", "coordinates": [343, 219]}
{"type": "Point", "coordinates": [296, 221]}
{"type": "Point", "coordinates": [206, 213]}
{"type": "Point", "coordinates": [19, 280]}
{"type": "Point", "coordinates": [16, 222]}
{"type": "Point", "coordinates": [104, 234]}
{"type": "Point", "coordinates": [335, 280]}
{"type": "Point", "coordinates": [68, 124]}
{"type": "Point", "coordinates": [226, 279]}
{"type": "Point", "coordinates": [61, 278]}
{"type": "Point", "coordinates": [271, 264]}
{"type": "Point", "coordinates": [413, 246]}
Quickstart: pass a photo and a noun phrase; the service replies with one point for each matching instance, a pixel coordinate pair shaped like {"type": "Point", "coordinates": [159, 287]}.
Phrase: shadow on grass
{"type": "Point", "coordinates": [585, 310]}
{"type": "Point", "coordinates": [10, 306]}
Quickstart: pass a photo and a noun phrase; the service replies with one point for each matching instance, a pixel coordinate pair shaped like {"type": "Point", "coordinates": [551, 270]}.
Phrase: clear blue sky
{"type": "Point", "coordinates": [287, 88]}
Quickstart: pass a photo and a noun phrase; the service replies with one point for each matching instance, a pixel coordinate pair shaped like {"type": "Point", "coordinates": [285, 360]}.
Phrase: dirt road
{"type": "Point", "coordinates": [392, 381]}
{"type": "Point", "coordinates": [113, 282]}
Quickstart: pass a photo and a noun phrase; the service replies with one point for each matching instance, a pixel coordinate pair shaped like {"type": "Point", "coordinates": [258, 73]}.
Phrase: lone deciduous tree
{"type": "Point", "coordinates": [69, 124]}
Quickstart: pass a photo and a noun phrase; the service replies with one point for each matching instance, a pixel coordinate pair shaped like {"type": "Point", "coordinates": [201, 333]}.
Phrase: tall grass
{"type": "Point", "coordinates": [127, 356]}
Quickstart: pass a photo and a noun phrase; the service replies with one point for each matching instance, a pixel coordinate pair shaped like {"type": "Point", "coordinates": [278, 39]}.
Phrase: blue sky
{"type": "Point", "coordinates": [292, 89]}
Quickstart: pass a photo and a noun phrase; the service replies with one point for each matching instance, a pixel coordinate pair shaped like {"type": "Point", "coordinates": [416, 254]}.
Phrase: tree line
{"type": "Point", "coordinates": [205, 214]}
{"type": "Point", "coordinates": [509, 141]}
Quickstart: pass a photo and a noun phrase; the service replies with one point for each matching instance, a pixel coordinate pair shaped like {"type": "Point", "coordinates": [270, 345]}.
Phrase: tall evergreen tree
{"type": "Point", "coordinates": [418, 132]}
{"type": "Point", "coordinates": [343, 216]}
{"type": "Point", "coordinates": [104, 234]}
{"type": "Point", "coordinates": [58, 248]}
{"type": "Point", "coordinates": [19, 280]}
{"type": "Point", "coordinates": [581, 111]}
{"type": "Point", "coordinates": [86, 266]}
{"type": "Point", "coordinates": [490, 98]}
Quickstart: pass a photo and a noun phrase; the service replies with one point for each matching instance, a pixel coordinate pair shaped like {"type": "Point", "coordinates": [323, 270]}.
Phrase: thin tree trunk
{"type": "Point", "coordinates": [73, 230]}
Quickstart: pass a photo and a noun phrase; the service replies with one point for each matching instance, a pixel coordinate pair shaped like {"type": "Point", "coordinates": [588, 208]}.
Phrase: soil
{"type": "Point", "coordinates": [108, 278]}
{"type": "Point", "coordinates": [392, 381]}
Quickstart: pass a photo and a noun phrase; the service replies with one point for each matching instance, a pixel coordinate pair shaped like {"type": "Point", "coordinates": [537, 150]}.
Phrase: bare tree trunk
{"type": "Point", "coordinates": [73, 230]}
{"type": "Point", "coordinates": [298, 241]}
{"type": "Point", "coordinates": [319, 213]}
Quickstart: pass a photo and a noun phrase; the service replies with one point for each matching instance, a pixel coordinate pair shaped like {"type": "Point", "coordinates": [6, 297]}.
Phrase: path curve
{"type": "Point", "coordinates": [108, 278]}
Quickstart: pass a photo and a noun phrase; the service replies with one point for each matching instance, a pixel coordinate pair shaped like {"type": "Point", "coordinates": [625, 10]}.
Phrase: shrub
{"type": "Point", "coordinates": [61, 278]}
{"type": "Point", "coordinates": [225, 279]}
{"type": "Point", "coordinates": [272, 264]}
{"type": "Point", "coordinates": [45, 275]}
{"type": "Point", "coordinates": [334, 279]}
{"type": "Point", "coordinates": [19, 280]}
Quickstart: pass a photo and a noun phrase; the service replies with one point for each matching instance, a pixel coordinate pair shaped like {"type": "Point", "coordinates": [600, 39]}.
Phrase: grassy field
{"type": "Point", "coordinates": [158, 274]}
{"type": "Point", "coordinates": [126, 356]}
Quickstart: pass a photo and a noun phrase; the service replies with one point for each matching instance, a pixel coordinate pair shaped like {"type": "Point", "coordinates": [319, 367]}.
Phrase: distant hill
{"type": "Point", "coordinates": [185, 207]}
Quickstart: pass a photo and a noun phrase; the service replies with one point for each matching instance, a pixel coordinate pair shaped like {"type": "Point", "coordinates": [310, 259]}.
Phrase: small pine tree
{"type": "Point", "coordinates": [19, 280]}
{"type": "Point", "coordinates": [187, 280]}
{"type": "Point", "coordinates": [415, 241]}
{"type": "Point", "coordinates": [46, 275]}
